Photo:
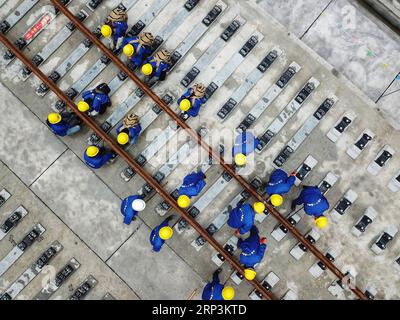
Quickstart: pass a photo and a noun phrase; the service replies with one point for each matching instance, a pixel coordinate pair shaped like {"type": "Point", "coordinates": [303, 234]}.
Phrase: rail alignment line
{"type": "Point", "coordinates": [228, 168]}
{"type": "Point", "coordinates": [131, 162]}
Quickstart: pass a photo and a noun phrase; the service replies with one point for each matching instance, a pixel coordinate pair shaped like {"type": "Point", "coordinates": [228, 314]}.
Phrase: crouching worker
{"type": "Point", "coordinates": [244, 145]}
{"type": "Point", "coordinates": [64, 124]}
{"type": "Point", "coordinates": [279, 184]}
{"type": "Point", "coordinates": [115, 28]}
{"type": "Point", "coordinates": [96, 157]}
{"type": "Point", "coordinates": [129, 130]}
{"type": "Point", "coordinates": [242, 217]}
{"type": "Point", "coordinates": [131, 206]}
{"type": "Point", "coordinates": [191, 101]}
{"type": "Point", "coordinates": [138, 49]}
{"type": "Point", "coordinates": [192, 185]}
{"type": "Point", "coordinates": [161, 233]}
{"type": "Point", "coordinates": [253, 250]}
{"type": "Point", "coordinates": [216, 291]}
{"type": "Point", "coordinates": [156, 67]}
{"type": "Point", "coordinates": [95, 101]}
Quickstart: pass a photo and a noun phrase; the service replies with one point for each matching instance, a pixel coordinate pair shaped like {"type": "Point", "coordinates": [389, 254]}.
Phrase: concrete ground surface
{"type": "Point", "coordinates": [80, 207]}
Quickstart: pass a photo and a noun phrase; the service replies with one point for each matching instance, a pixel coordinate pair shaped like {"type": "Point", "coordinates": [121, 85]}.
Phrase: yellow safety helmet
{"type": "Point", "coordinates": [240, 159]}
{"type": "Point", "coordinates": [183, 201]}
{"type": "Point", "coordinates": [228, 293]}
{"type": "Point", "coordinates": [83, 106]}
{"type": "Point", "coordinates": [276, 200]}
{"type": "Point", "coordinates": [92, 151]}
{"type": "Point", "coordinates": [165, 233]}
{"type": "Point", "coordinates": [321, 222]}
{"type": "Point", "coordinates": [54, 118]}
{"type": "Point", "coordinates": [185, 105]}
{"type": "Point", "coordinates": [147, 69]}
{"type": "Point", "coordinates": [250, 274]}
{"type": "Point", "coordinates": [129, 50]}
{"type": "Point", "coordinates": [123, 138]}
{"type": "Point", "coordinates": [106, 31]}
{"type": "Point", "coordinates": [259, 207]}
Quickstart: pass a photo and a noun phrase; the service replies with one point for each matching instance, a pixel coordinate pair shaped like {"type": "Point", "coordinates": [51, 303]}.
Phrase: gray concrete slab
{"type": "Point", "coordinates": [389, 99]}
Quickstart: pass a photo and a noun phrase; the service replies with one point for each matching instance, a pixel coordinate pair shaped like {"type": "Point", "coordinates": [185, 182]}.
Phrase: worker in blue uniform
{"type": "Point", "coordinates": [95, 101]}
{"type": "Point", "coordinates": [138, 49]}
{"type": "Point", "coordinates": [244, 145]}
{"type": "Point", "coordinates": [129, 130]}
{"type": "Point", "coordinates": [64, 124]}
{"type": "Point", "coordinates": [131, 206]}
{"type": "Point", "coordinates": [191, 101]}
{"type": "Point", "coordinates": [315, 204]}
{"type": "Point", "coordinates": [253, 250]}
{"type": "Point", "coordinates": [242, 217]}
{"type": "Point", "coordinates": [216, 291]}
{"type": "Point", "coordinates": [192, 185]}
{"type": "Point", "coordinates": [279, 184]}
{"type": "Point", "coordinates": [161, 233]}
{"type": "Point", "coordinates": [115, 28]}
{"type": "Point", "coordinates": [96, 157]}
{"type": "Point", "coordinates": [156, 67]}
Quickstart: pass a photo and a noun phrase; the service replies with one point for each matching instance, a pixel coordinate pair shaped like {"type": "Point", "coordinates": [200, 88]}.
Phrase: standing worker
{"type": "Point", "coordinates": [115, 28]}
{"type": "Point", "coordinates": [315, 204]}
{"type": "Point", "coordinates": [161, 233]}
{"type": "Point", "coordinates": [138, 49]}
{"type": "Point", "coordinates": [131, 206]}
{"type": "Point", "coordinates": [244, 145]}
{"type": "Point", "coordinates": [279, 183]}
{"type": "Point", "coordinates": [216, 291]}
{"type": "Point", "coordinates": [192, 185]}
{"type": "Point", "coordinates": [96, 157]}
{"type": "Point", "coordinates": [129, 130]}
{"type": "Point", "coordinates": [253, 250]}
{"type": "Point", "coordinates": [156, 67]}
{"type": "Point", "coordinates": [64, 124]}
{"type": "Point", "coordinates": [95, 101]}
{"type": "Point", "coordinates": [242, 217]}
{"type": "Point", "coordinates": [191, 101]}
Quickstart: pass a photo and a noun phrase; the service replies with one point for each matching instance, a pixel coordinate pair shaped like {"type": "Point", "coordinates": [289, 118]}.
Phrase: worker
{"type": "Point", "coordinates": [131, 206]}
{"type": "Point", "coordinates": [279, 184]}
{"type": "Point", "coordinates": [242, 217]}
{"type": "Point", "coordinates": [95, 101]}
{"type": "Point", "coordinates": [192, 185]}
{"type": "Point", "coordinates": [96, 157]}
{"type": "Point", "coordinates": [138, 49]}
{"type": "Point", "coordinates": [129, 130]}
{"type": "Point", "coordinates": [244, 145]}
{"type": "Point", "coordinates": [253, 250]}
{"type": "Point", "coordinates": [314, 203]}
{"type": "Point", "coordinates": [191, 101]}
{"type": "Point", "coordinates": [156, 67]}
{"type": "Point", "coordinates": [161, 233]}
{"type": "Point", "coordinates": [115, 28]}
{"type": "Point", "coordinates": [216, 291]}
{"type": "Point", "coordinates": [64, 124]}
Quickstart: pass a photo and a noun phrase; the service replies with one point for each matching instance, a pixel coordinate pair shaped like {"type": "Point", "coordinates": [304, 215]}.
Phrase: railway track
{"type": "Point", "coordinates": [151, 181]}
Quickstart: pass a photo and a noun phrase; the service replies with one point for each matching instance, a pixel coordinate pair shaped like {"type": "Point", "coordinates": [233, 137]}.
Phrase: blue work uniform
{"type": "Point", "coordinates": [195, 103]}
{"type": "Point", "coordinates": [155, 239]}
{"type": "Point", "coordinates": [133, 132]}
{"type": "Point", "coordinates": [192, 184]}
{"type": "Point", "coordinates": [314, 201]}
{"type": "Point", "coordinates": [119, 29]}
{"type": "Point", "coordinates": [213, 290]}
{"type": "Point", "coordinates": [100, 160]}
{"type": "Point", "coordinates": [62, 128]}
{"type": "Point", "coordinates": [279, 183]}
{"type": "Point", "coordinates": [158, 69]}
{"type": "Point", "coordinates": [97, 101]}
{"type": "Point", "coordinates": [245, 143]}
{"type": "Point", "coordinates": [242, 217]}
{"type": "Point", "coordinates": [127, 210]}
{"type": "Point", "coordinates": [141, 52]}
{"type": "Point", "coordinates": [252, 250]}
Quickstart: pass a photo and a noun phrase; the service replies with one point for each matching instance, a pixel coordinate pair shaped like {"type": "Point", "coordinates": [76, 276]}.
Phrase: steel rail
{"type": "Point", "coordinates": [131, 162]}
{"type": "Point", "coordinates": [215, 155]}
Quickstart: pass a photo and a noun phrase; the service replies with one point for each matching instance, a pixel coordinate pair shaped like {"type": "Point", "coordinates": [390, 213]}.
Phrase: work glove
{"type": "Point", "coordinates": [237, 233]}
{"type": "Point", "coordinates": [263, 240]}
{"type": "Point", "coordinates": [293, 173]}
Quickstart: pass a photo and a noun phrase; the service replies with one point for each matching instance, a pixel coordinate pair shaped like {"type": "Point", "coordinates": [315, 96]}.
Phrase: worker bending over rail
{"type": "Point", "coordinates": [314, 203]}
{"type": "Point", "coordinates": [115, 28]}
{"type": "Point", "coordinates": [131, 206]}
{"type": "Point", "coordinates": [95, 101]}
{"type": "Point", "coordinates": [191, 101]}
{"type": "Point", "coordinates": [64, 124]}
{"type": "Point", "coordinates": [129, 130]}
{"type": "Point", "coordinates": [279, 184]}
{"type": "Point", "coordinates": [242, 217]}
{"type": "Point", "coordinates": [96, 157]}
{"type": "Point", "coordinates": [216, 291]}
{"type": "Point", "coordinates": [161, 233]}
{"type": "Point", "coordinates": [192, 185]}
{"type": "Point", "coordinates": [244, 145]}
{"type": "Point", "coordinates": [156, 67]}
{"type": "Point", "coordinates": [138, 49]}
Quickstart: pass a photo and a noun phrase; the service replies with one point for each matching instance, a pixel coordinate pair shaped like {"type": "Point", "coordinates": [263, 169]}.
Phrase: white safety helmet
{"type": "Point", "coordinates": [138, 205]}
